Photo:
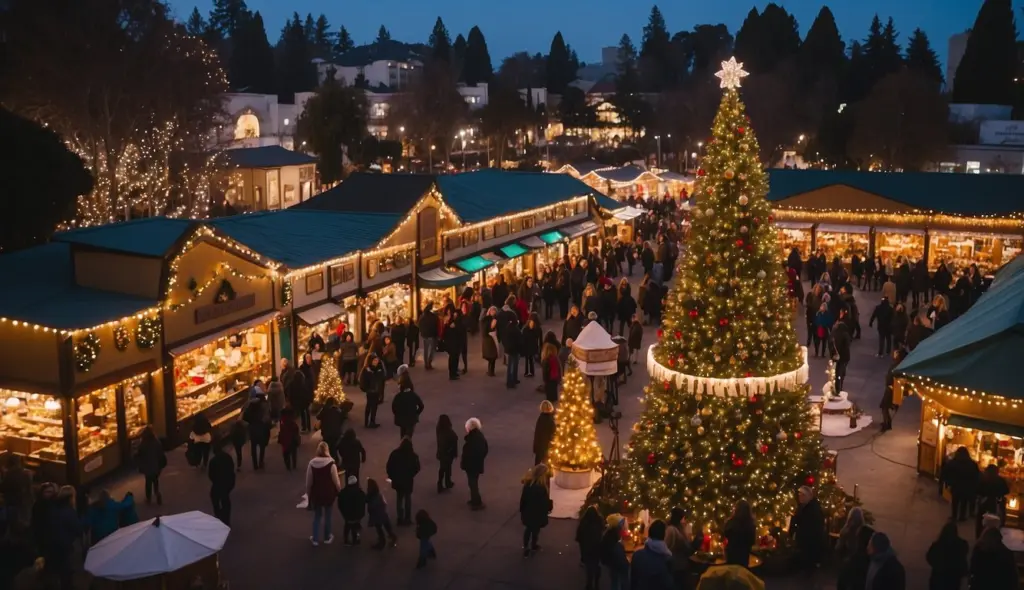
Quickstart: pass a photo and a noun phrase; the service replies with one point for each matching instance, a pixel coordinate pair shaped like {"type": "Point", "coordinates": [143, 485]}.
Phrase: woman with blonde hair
{"type": "Point", "coordinates": [322, 486]}
{"type": "Point", "coordinates": [534, 506]}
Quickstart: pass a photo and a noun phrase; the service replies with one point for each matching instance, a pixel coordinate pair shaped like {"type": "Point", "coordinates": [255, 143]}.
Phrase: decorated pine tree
{"type": "Point", "coordinates": [329, 385]}
{"type": "Point", "coordinates": [575, 446]}
{"type": "Point", "coordinates": [726, 416]}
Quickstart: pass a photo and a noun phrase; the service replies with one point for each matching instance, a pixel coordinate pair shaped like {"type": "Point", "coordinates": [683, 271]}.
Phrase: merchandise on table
{"type": "Point", "coordinates": [988, 251]}
{"type": "Point", "coordinates": [97, 421]}
{"type": "Point", "coordinates": [327, 329]}
{"type": "Point", "coordinates": [843, 243]}
{"type": "Point", "coordinates": [221, 368]}
{"type": "Point", "coordinates": [32, 426]}
{"type": "Point", "coordinates": [896, 243]}
{"type": "Point", "coordinates": [386, 304]}
{"type": "Point", "coordinates": [436, 296]}
{"type": "Point", "coordinates": [794, 236]}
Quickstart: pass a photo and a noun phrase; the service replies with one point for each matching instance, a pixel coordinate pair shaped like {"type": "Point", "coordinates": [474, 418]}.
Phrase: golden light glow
{"type": "Point", "coordinates": [575, 446]}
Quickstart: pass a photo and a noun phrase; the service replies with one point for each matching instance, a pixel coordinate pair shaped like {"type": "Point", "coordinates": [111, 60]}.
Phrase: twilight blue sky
{"type": "Point", "coordinates": [588, 25]}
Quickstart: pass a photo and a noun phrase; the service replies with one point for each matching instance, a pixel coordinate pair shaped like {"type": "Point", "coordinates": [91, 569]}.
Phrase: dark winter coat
{"type": "Point", "coordinates": [352, 503]}
{"type": "Point", "coordinates": [534, 505]}
{"type": "Point", "coordinates": [150, 457]}
{"type": "Point", "coordinates": [257, 416]}
{"type": "Point", "coordinates": [63, 529]}
{"type": "Point", "coordinates": [992, 564]}
{"type": "Point", "coordinates": [916, 334]}
{"type": "Point", "coordinates": [532, 340]}
{"type": "Point", "coordinates": [403, 465]}
{"type": "Point", "coordinates": [741, 536]}
{"type": "Point", "coordinates": [352, 454]}
{"type": "Point", "coordinates": [883, 315]}
{"type": "Point", "coordinates": [447, 445]}
{"type": "Point", "coordinates": [588, 537]}
{"type": "Point", "coordinates": [425, 528]}
{"type": "Point", "coordinates": [636, 335]}
{"type": "Point", "coordinates": [428, 324]}
{"type": "Point", "coordinates": [371, 382]}
{"type": "Point", "coordinates": [900, 322]}
{"type": "Point", "coordinates": [543, 432]}
{"type": "Point", "coordinates": [222, 472]}
{"type": "Point", "coordinates": [398, 335]}
{"type": "Point", "coordinates": [407, 407]}
{"type": "Point", "coordinates": [890, 575]}
{"type": "Point", "coordinates": [920, 277]}
{"type": "Point", "coordinates": [609, 302]}
{"type": "Point", "coordinates": [808, 527]}
{"type": "Point", "coordinates": [571, 328]}
{"type": "Point", "coordinates": [942, 279]}
{"type": "Point", "coordinates": [499, 294]}
{"type": "Point", "coordinates": [948, 559]}
{"type": "Point", "coordinates": [474, 452]}
{"type": "Point", "coordinates": [511, 338]}
{"type": "Point", "coordinates": [626, 307]}
{"type": "Point", "coordinates": [961, 475]}
{"type": "Point", "coordinates": [488, 341]}
{"type": "Point", "coordinates": [376, 509]}
{"type": "Point", "coordinates": [651, 570]}
{"type": "Point", "coordinates": [288, 432]}
{"type": "Point", "coordinates": [853, 571]}
{"type": "Point", "coordinates": [331, 420]}
{"type": "Point", "coordinates": [506, 318]}
{"type": "Point", "coordinates": [613, 554]}
{"type": "Point", "coordinates": [841, 340]}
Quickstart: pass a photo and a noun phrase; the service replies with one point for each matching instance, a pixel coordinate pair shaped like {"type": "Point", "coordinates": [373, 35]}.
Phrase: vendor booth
{"type": "Point", "coordinates": [972, 396]}
{"type": "Point", "coordinates": [893, 243]}
{"type": "Point", "coordinates": [843, 241]}
{"type": "Point", "coordinates": [797, 235]}
{"type": "Point", "coordinates": [989, 251]}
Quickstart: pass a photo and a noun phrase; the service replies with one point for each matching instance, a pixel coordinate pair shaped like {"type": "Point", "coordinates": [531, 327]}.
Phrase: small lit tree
{"type": "Point", "coordinates": [329, 386]}
{"type": "Point", "coordinates": [575, 446]}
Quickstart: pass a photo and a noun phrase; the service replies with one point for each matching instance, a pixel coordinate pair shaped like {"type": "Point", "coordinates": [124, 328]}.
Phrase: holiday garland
{"type": "Point", "coordinates": [86, 352]}
{"type": "Point", "coordinates": [286, 292]}
{"type": "Point", "coordinates": [147, 333]}
{"type": "Point", "coordinates": [121, 338]}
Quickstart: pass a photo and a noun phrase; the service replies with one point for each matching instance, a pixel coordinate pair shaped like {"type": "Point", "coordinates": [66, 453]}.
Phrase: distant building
{"type": "Point", "coordinates": [268, 178]}
{"type": "Point", "coordinates": [382, 63]}
{"type": "Point", "coordinates": [257, 120]}
{"type": "Point", "coordinates": [609, 65]}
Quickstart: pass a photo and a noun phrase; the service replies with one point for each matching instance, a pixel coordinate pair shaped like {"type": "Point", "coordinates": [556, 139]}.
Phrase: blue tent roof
{"type": "Point", "coordinates": [980, 349]}
{"type": "Point", "coordinates": [607, 203]}
{"type": "Point", "coordinates": [957, 194]}
{"type": "Point", "coordinates": [270, 156]}
{"type": "Point", "coordinates": [485, 194]}
{"type": "Point", "coordinates": [627, 173]}
{"type": "Point", "coordinates": [300, 238]}
{"type": "Point", "coordinates": [152, 236]}
{"type": "Point", "coordinates": [44, 293]}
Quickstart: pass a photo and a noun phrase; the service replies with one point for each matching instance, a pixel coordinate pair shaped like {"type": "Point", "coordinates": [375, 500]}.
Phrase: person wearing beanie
{"type": "Point", "coordinates": [885, 572]}
{"type": "Point", "coordinates": [352, 505]}
{"type": "Point", "coordinates": [652, 566]}
{"type": "Point", "coordinates": [474, 453]}
{"type": "Point", "coordinates": [613, 553]}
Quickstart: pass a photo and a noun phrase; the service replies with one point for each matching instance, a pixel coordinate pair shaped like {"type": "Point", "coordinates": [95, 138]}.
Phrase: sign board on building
{"type": "Point", "coordinates": [219, 310]}
{"type": "Point", "coordinates": [1001, 133]}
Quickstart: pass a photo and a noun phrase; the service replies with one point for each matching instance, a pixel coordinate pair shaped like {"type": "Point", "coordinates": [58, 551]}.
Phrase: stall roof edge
{"type": "Point", "coordinates": [268, 156]}
{"type": "Point", "coordinates": [372, 193]}
{"type": "Point", "coordinates": [488, 193]}
{"type": "Point", "coordinates": [149, 236]}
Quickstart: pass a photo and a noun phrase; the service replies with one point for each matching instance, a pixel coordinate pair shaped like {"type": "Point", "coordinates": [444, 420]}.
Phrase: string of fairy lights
{"type": "Point", "coordinates": [574, 446]}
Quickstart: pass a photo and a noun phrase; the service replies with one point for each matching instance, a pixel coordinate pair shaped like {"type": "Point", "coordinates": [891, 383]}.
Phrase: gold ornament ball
{"type": "Point", "coordinates": [705, 412]}
{"type": "Point", "coordinates": [729, 174]}
{"type": "Point", "coordinates": [700, 431]}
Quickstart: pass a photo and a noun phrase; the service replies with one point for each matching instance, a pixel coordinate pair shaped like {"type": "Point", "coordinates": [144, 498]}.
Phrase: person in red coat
{"type": "Point", "coordinates": [288, 437]}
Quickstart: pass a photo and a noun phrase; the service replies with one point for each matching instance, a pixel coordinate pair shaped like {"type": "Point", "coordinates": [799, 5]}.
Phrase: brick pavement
{"type": "Point", "coordinates": [269, 547]}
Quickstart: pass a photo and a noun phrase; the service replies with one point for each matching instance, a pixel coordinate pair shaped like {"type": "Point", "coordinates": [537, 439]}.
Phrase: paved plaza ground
{"type": "Point", "coordinates": [269, 546]}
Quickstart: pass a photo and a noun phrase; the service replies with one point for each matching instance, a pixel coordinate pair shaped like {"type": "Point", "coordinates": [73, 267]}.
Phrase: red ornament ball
{"type": "Point", "coordinates": [737, 463]}
{"type": "Point", "coordinates": [739, 243]}
{"type": "Point", "coordinates": [771, 218]}
{"type": "Point", "coordinates": [749, 374]}
{"type": "Point", "coordinates": [661, 333]}
{"type": "Point", "coordinates": [754, 399]}
{"type": "Point", "coordinates": [757, 221]}
{"type": "Point", "coordinates": [797, 435]}
{"type": "Point", "coordinates": [651, 459]}
{"type": "Point", "coordinates": [701, 172]}
{"type": "Point", "coordinates": [667, 385]}
{"type": "Point", "coordinates": [810, 480]}
{"type": "Point", "coordinates": [694, 313]}
{"type": "Point", "coordinates": [723, 322]}
{"type": "Point", "coordinates": [678, 334]}
{"type": "Point", "coordinates": [741, 130]}
{"type": "Point", "coordinates": [764, 449]}
{"type": "Point", "coordinates": [672, 363]}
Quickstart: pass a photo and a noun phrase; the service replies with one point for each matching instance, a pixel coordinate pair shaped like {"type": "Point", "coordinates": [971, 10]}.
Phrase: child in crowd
{"type": "Point", "coordinates": [289, 438]}
{"type": "Point", "coordinates": [636, 337]}
{"type": "Point", "coordinates": [425, 530]}
{"type": "Point", "coordinates": [239, 435]}
{"type": "Point", "coordinates": [377, 508]}
{"type": "Point", "coordinates": [352, 505]}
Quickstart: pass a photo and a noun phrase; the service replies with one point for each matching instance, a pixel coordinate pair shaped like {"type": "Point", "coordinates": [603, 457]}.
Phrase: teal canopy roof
{"type": "Point", "coordinates": [268, 156]}
{"type": "Point", "coordinates": [513, 250]}
{"type": "Point", "coordinates": [41, 292]}
{"type": "Point", "coordinates": [552, 237]}
{"type": "Point", "coordinates": [474, 264]}
{"type": "Point", "coordinates": [957, 194]}
{"type": "Point", "coordinates": [980, 350]}
{"type": "Point", "coordinates": [985, 425]}
{"type": "Point", "coordinates": [152, 236]}
{"type": "Point", "coordinates": [608, 203]}
{"type": "Point", "coordinates": [1007, 272]}
{"type": "Point", "coordinates": [300, 238]}
{"type": "Point", "coordinates": [489, 193]}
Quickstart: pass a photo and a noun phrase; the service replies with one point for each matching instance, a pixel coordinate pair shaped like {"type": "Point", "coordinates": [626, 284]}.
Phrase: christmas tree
{"type": "Point", "coordinates": [725, 414]}
{"type": "Point", "coordinates": [329, 386]}
{"type": "Point", "coordinates": [575, 446]}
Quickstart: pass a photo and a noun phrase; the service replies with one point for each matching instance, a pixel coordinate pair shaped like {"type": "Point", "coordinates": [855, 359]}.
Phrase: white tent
{"type": "Point", "coordinates": [595, 352]}
{"type": "Point", "coordinates": [157, 546]}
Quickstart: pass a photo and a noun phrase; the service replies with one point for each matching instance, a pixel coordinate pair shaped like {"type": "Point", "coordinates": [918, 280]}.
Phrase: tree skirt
{"type": "Point", "coordinates": [567, 503]}
{"type": "Point", "coordinates": [839, 425]}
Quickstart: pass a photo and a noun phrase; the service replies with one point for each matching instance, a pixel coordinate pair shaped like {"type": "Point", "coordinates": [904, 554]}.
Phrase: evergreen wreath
{"type": "Point", "coordinates": [286, 292]}
{"type": "Point", "coordinates": [147, 333]}
{"type": "Point", "coordinates": [121, 338]}
{"type": "Point", "coordinates": [86, 352]}
{"type": "Point", "coordinates": [225, 293]}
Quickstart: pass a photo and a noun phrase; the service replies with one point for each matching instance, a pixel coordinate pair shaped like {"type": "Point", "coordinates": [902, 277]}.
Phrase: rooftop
{"type": "Point", "coordinates": [489, 193]}
{"type": "Point", "coordinates": [44, 292]}
{"type": "Point", "coordinates": [381, 50]}
{"type": "Point", "coordinates": [151, 236]}
{"type": "Point", "coordinates": [270, 156]}
{"type": "Point", "coordinates": [284, 236]}
{"type": "Point", "coordinates": [372, 193]}
{"type": "Point", "coordinates": [956, 194]}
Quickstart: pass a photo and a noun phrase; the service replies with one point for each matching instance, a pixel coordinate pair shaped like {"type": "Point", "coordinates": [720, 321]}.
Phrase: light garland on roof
{"type": "Point", "coordinates": [522, 214]}
{"type": "Point", "coordinates": [203, 232]}
{"type": "Point", "coordinates": [915, 384]}
{"type": "Point", "coordinates": [221, 269]}
{"type": "Point", "coordinates": [150, 312]}
{"type": "Point", "coordinates": [908, 218]}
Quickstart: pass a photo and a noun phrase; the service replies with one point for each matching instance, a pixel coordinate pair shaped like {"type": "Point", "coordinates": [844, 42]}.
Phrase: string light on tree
{"type": "Point", "coordinates": [574, 446]}
{"type": "Point", "coordinates": [329, 386]}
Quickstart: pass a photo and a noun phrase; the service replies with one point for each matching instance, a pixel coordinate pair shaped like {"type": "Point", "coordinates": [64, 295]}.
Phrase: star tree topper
{"type": "Point", "coordinates": [731, 74]}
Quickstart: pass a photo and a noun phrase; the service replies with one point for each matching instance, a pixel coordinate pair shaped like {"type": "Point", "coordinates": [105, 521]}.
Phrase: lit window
{"type": "Point", "coordinates": [974, 167]}
{"type": "Point", "coordinates": [247, 126]}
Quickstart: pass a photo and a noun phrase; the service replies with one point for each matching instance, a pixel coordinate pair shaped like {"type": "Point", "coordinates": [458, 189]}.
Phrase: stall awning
{"type": "Point", "coordinates": [196, 343]}
{"type": "Point", "coordinates": [474, 264]}
{"type": "Point", "coordinates": [845, 229]}
{"type": "Point", "coordinates": [552, 237]}
{"type": "Point", "coordinates": [513, 250]}
{"type": "Point", "coordinates": [438, 278]}
{"type": "Point", "coordinates": [973, 234]}
{"type": "Point", "coordinates": [628, 212]}
{"type": "Point", "coordinates": [805, 225]}
{"type": "Point", "coordinates": [575, 231]}
{"type": "Point", "coordinates": [533, 242]}
{"type": "Point", "coordinates": [986, 425]}
{"type": "Point", "coordinates": [320, 313]}
{"type": "Point", "coordinates": [906, 231]}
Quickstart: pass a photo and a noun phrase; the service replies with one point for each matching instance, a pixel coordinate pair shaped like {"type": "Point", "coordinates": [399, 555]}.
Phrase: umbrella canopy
{"type": "Point", "coordinates": [979, 350]}
{"type": "Point", "coordinates": [157, 546]}
{"type": "Point", "coordinates": [595, 351]}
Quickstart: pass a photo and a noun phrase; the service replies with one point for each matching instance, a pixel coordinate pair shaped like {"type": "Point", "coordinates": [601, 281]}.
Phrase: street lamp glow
{"type": "Point", "coordinates": [286, 121]}
{"type": "Point", "coordinates": [693, 155]}
{"type": "Point", "coordinates": [401, 129]}
{"type": "Point", "coordinates": [700, 144]}
{"type": "Point", "coordinates": [801, 137]}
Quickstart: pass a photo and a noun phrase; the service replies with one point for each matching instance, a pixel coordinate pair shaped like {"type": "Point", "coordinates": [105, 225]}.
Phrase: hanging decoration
{"type": "Point", "coordinates": [286, 292]}
{"type": "Point", "coordinates": [122, 338]}
{"type": "Point", "coordinates": [86, 352]}
{"type": "Point", "coordinates": [147, 333]}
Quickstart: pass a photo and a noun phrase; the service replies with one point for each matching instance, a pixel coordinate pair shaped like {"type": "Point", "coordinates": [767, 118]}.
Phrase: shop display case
{"type": "Point", "coordinates": [794, 236]}
{"type": "Point", "coordinates": [1005, 451]}
{"type": "Point", "coordinates": [221, 369]}
{"type": "Point", "coordinates": [32, 426]}
{"type": "Point", "coordinates": [386, 304]}
{"type": "Point", "coordinates": [988, 251]}
{"type": "Point", "coordinates": [97, 421]}
{"type": "Point", "coordinates": [842, 241]}
{"type": "Point", "coordinates": [895, 243]}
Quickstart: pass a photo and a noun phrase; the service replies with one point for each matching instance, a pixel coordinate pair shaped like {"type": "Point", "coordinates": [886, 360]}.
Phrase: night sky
{"type": "Point", "coordinates": [588, 25]}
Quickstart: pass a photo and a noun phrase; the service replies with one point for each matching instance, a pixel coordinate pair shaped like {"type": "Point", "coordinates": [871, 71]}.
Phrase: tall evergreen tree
{"type": "Point", "coordinates": [559, 66]}
{"type": "Point", "coordinates": [295, 69]}
{"type": "Point", "coordinates": [440, 43]}
{"type": "Point", "coordinates": [344, 42]}
{"type": "Point", "coordinates": [882, 54]}
{"type": "Point", "coordinates": [656, 63]}
{"type": "Point", "coordinates": [459, 55]}
{"type": "Point", "coordinates": [922, 58]}
{"type": "Point", "coordinates": [748, 38]}
{"type": "Point", "coordinates": [823, 52]}
{"type": "Point", "coordinates": [309, 29]}
{"type": "Point", "coordinates": [627, 54]}
{"type": "Point", "coordinates": [196, 24]}
{"type": "Point", "coordinates": [225, 16]}
{"type": "Point", "coordinates": [323, 39]}
{"type": "Point", "coordinates": [251, 65]}
{"type": "Point", "coordinates": [986, 72]}
{"type": "Point", "coordinates": [383, 34]}
{"type": "Point", "coordinates": [477, 66]}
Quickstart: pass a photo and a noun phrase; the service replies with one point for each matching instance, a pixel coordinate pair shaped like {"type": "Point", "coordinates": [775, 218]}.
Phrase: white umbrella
{"type": "Point", "coordinates": [157, 546]}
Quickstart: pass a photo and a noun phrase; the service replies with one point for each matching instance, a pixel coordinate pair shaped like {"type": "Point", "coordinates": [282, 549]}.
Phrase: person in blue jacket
{"type": "Point", "coordinates": [106, 515]}
{"type": "Point", "coordinates": [652, 566]}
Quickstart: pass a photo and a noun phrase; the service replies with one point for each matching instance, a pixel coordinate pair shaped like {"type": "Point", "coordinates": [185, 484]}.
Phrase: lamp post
{"type": "Point", "coordinates": [401, 141]}
{"type": "Point", "coordinates": [658, 139]}
{"type": "Point", "coordinates": [462, 137]}
{"type": "Point", "coordinates": [431, 159]}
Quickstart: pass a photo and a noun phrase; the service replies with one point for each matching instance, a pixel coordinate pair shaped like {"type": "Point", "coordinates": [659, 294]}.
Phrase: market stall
{"type": "Point", "coordinates": [326, 320]}
{"type": "Point", "coordinates": [899, 242]}
{"type": "Point", "coordinates": [843, 241]}
{"type": "Point", "coordinates": [989, 251]}
{"type": "Point", "coordinates": [972, 396]}
{"type": "Point", "coordinates": [794, 234]}
{"type": "Point", "coordinates": [388, 303]}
